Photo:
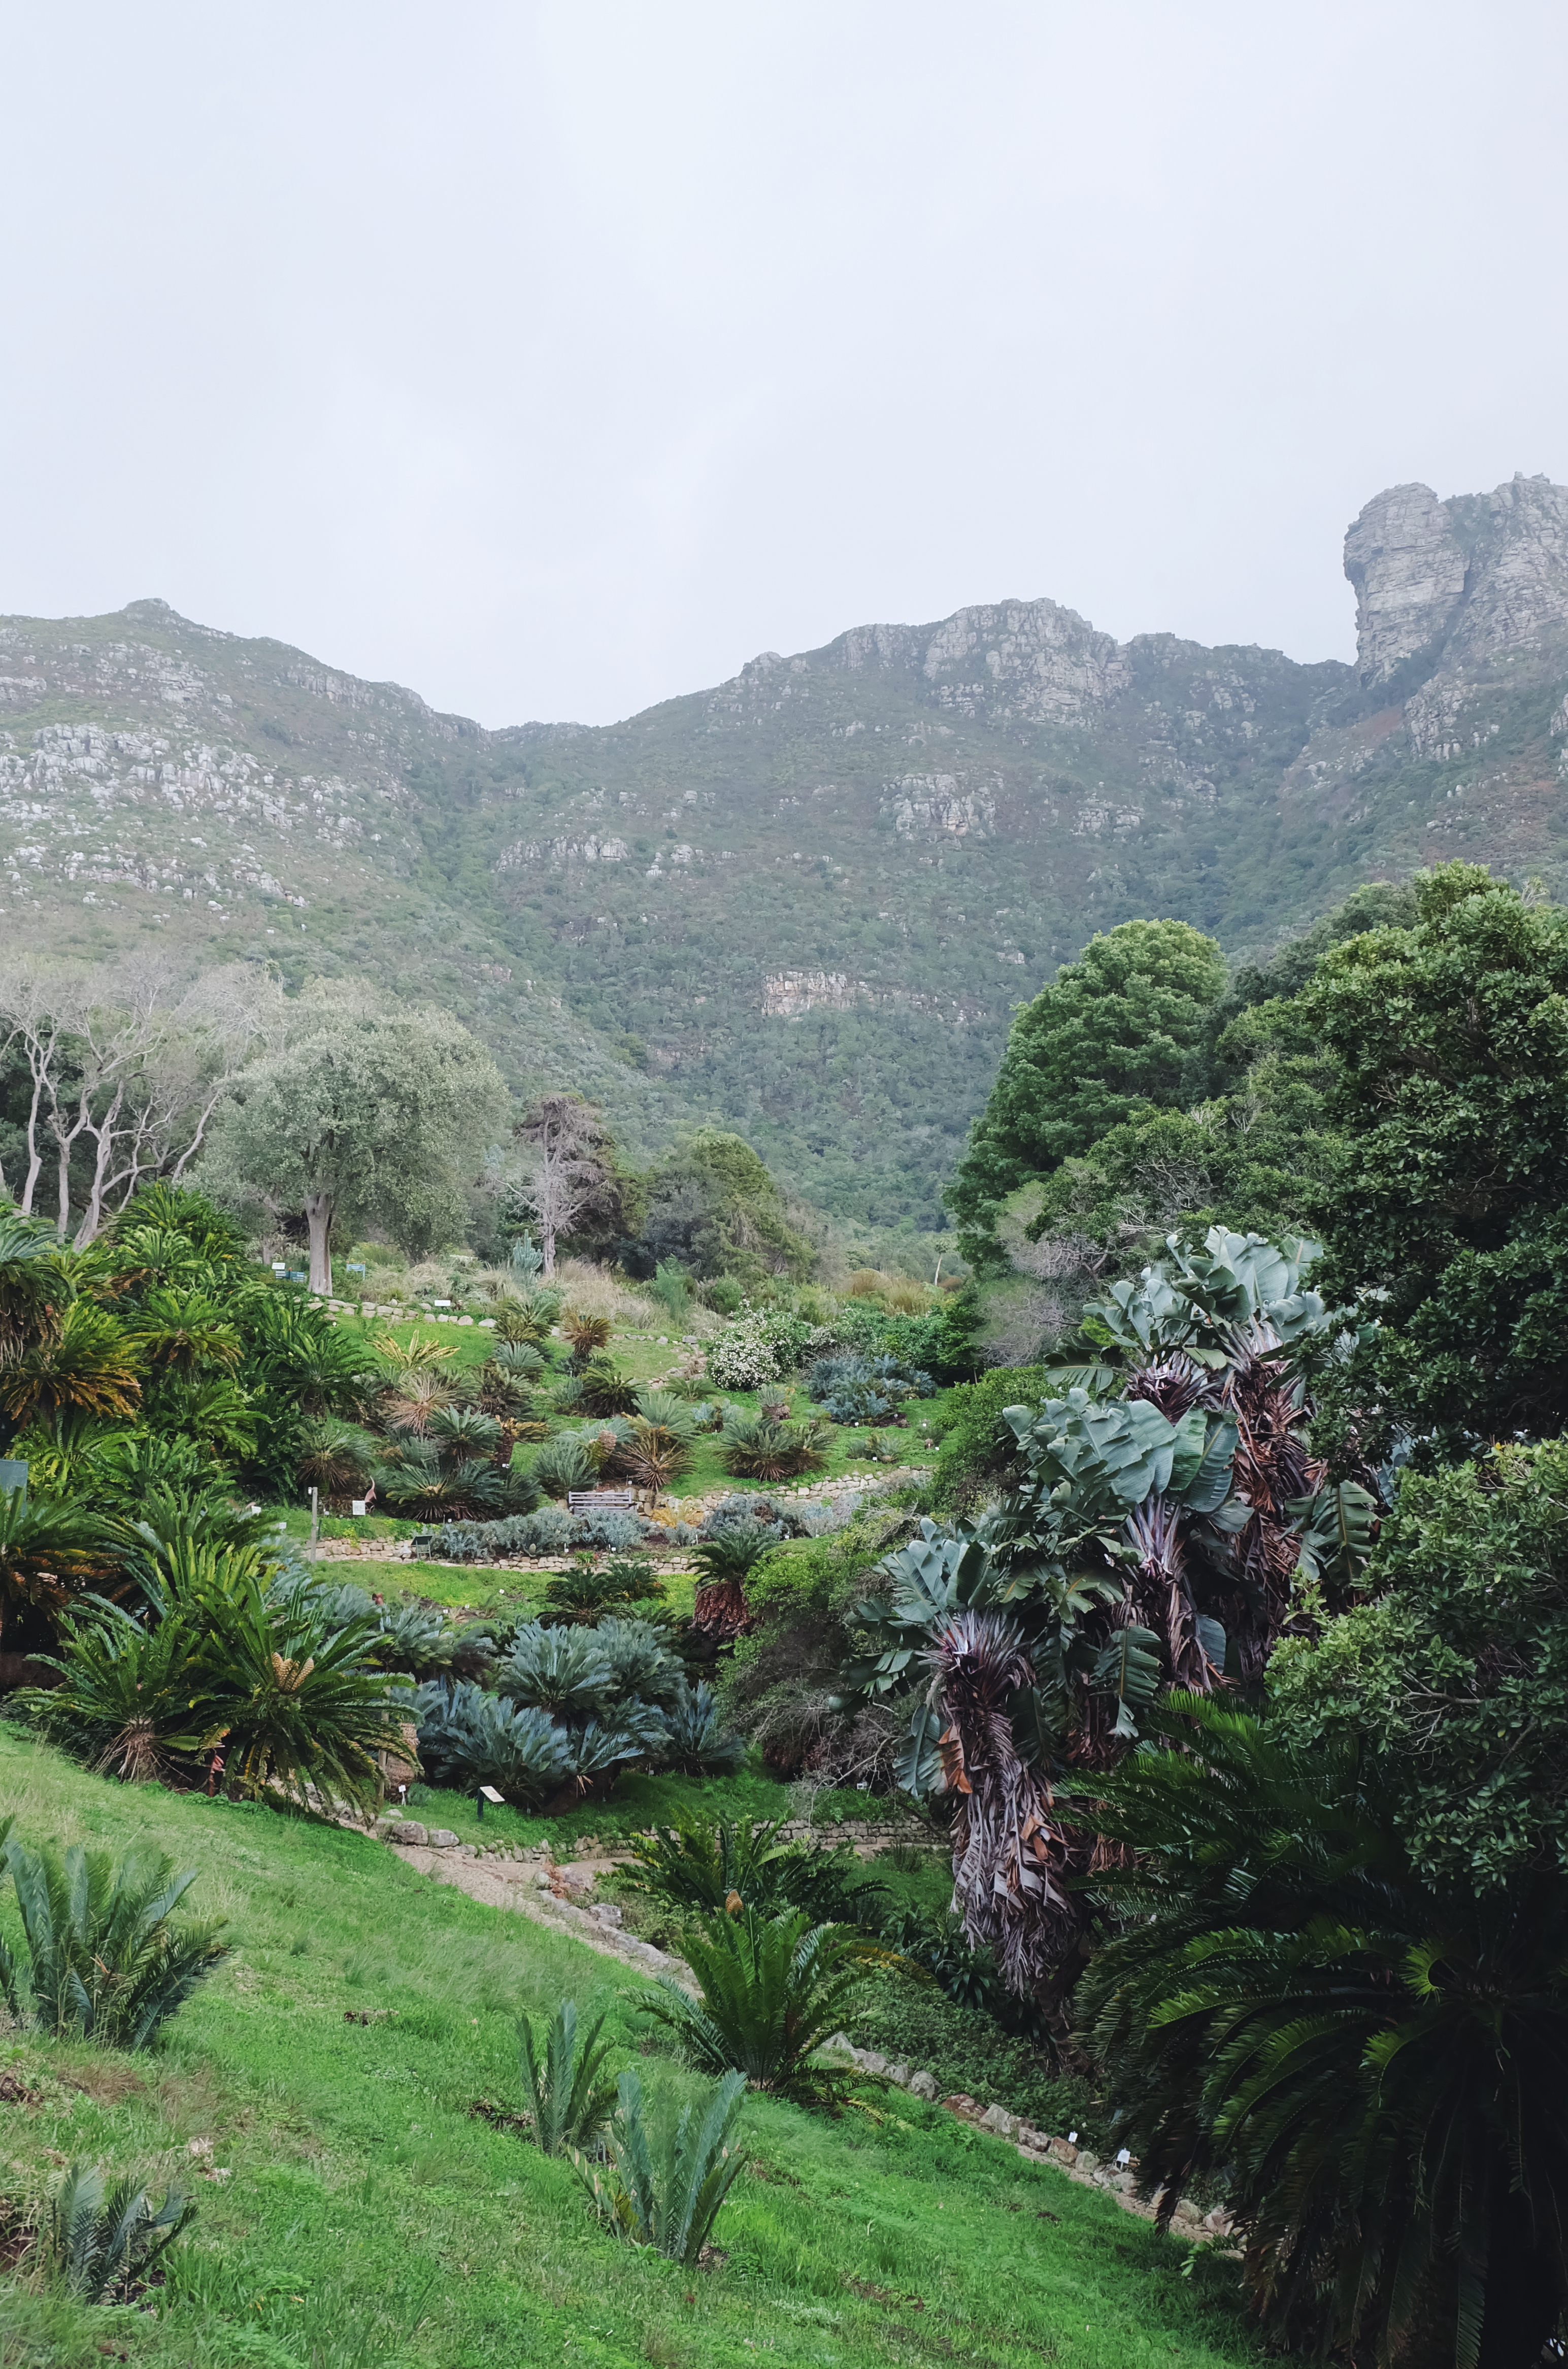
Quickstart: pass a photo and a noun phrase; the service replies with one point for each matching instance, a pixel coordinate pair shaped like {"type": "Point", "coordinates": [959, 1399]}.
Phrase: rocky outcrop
{"type": "Point", "coordinates": [1407, 566]}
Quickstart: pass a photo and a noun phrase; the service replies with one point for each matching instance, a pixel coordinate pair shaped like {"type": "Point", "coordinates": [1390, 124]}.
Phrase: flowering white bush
{"type": "Point", "coordinates": [761, 1345]}
{"type": "Point", "coordinates": [743, 1357]}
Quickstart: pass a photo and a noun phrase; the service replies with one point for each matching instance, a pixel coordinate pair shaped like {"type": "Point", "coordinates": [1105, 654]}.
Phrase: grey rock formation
{"type": "Point", "coordinates": [1408, 567]}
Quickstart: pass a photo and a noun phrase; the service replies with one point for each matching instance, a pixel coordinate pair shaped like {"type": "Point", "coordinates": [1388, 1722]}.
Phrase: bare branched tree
{"type": "Point", "coordinates": [569, 1174]}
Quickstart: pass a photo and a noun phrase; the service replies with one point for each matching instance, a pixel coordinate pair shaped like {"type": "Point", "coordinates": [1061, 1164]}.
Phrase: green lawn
{"type": "Point", "coordinates": [369, 2218]}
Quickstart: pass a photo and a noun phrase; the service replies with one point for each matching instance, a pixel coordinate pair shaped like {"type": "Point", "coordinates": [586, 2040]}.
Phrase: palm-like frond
{"type": "Point", "coordinates": [568, 2101]}
{"type": "Point", "coordinates": [106, 2237]}
{"type": "Point", "coordinates": [86, 1361]}
{"type": "Point", "coordinates": [773, 1988]}
{"type": "Point", "coordinates": [666, 2179]}
{"type": "Point", "coordinates": [107, 1960]}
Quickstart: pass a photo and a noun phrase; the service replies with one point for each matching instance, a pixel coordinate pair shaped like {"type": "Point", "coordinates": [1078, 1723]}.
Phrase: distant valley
{"type": "Point", "coordinates": [801, 904]}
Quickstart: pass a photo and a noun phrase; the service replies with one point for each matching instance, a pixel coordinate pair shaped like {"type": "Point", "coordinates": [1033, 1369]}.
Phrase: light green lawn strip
{"type": "Point", "coordinates": [370, 2219]}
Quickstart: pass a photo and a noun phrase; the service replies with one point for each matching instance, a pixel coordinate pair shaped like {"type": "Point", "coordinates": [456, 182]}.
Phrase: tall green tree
{"type": "Point", "coordinates": [1116, 1033]}
{"type": "Point", "coordinates": [1450, 1047]}
{"type": "Point", "coordinates": [366, 1115]}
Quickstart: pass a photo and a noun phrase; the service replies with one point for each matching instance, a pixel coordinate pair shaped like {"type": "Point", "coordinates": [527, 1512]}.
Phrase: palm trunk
{"type": "Point", "coordinates": [318, 1218]}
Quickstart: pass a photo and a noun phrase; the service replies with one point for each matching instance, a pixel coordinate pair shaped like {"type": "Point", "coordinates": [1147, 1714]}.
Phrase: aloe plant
{"type": "Point", "coordinates": [568, 2101]}
{"type": "Point", "coordinates": [668, 2173]}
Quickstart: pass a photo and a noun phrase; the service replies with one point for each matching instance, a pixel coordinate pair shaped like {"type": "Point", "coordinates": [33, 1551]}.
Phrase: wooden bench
{"type": "Point", "coordinates": [601, 1501]}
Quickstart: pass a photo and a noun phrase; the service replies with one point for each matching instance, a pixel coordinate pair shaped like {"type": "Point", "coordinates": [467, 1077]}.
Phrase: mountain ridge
{"type": "Point", "coordinates": [802, 902]}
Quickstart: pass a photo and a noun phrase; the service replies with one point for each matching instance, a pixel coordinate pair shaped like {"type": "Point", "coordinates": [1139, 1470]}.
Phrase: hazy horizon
{"type": "Point", "coordinates": [554, 362]}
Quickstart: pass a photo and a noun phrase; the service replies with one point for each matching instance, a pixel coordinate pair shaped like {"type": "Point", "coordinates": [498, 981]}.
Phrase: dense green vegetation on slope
{"type": "Point", "coordinates": [368, 2214]}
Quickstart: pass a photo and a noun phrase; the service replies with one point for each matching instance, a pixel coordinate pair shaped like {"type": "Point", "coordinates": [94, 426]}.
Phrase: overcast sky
{"type": "Point", "coordinates": [555, 358]}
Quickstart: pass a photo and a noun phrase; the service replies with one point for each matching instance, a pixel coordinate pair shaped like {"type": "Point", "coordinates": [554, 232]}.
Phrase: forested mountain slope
{"type": "Point", "coordinates": [804, 902]}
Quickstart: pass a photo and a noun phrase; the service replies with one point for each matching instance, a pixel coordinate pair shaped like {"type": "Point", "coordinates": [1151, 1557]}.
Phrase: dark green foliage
{"type": "Point", "coordinates": [104, 2238]}
{"type": "Point", "coordinates": [132, 1699]}
{"type": "Point", "coordinates": [773, 1988]}
{"type": "Point", "coordinates": [107, 1960]}
{"type": "Point", "coordinates": [1451, 1048]}
{"type": "Point", "coordinates": [1378, 2070]}
{"type": "Point", "coordinates": [756, 1447]}
{"type": "Point", "coordinates": [567, 2099]}
{"type": "Point", "coordinates": [1457, 1665]}
{"type": "Point", "coordinates": [669, 2173]}
{"type": "Point", "coordinates": [582, 1596]}
{"type": "Point", "coordinates": [698, 1742]}
{"type": "Point", "coordinates": [696, 1865]}
{"type": "Point", "coordinates": [1117, 1031]}
{"type": "Point", "coordinates": [713, 1210]}
{"type": "Point", "coordinates": [978, 1456]}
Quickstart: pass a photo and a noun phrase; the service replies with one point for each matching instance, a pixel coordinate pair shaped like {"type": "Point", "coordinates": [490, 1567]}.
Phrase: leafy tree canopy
{"type": "Point", "coordinates": [1114, 1032]}
{"type": "Point", "coordinates": [713, 1206]}
{"type": "Point", "coordinates": [1449, 1042]}
{"type": "Point", "coordinates": [365, 1114]}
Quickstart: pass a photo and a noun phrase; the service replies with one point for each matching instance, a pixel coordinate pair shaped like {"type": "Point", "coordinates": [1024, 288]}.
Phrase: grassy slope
{"type": "Point", "coordinates": [369, 2218]}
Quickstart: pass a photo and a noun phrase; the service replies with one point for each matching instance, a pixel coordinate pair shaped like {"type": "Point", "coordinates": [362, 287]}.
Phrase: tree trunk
{"type": "Point", "coordinates": [547, 1235]}
{"type": "Point", "coordinates": [319, 1218]}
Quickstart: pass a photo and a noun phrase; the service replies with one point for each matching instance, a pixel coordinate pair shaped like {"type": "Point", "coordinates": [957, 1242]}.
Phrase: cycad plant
{"type": "Point", "coordinates": [587, 1334]}
{"type": "Point", "coordinates": [1377, 2071]}
{"type": "Point", "coordinates": [582, 1596]}
{"type": "Point", "coordinates": [130, 1697]}
{"type": "Point", "coordinates": [652, 1454]}
{"type": "Point", "coordinates": [773, 1988]}
{"type": "Point", "coordinates": [668, 2173]}
{"type": "Point", "coordinates": [567, 2101]}
{"type": "Point", "coordinates": [699, 1744]}
{"type": "Point", "coordinates": [563, 1464]}
{"type": "Point", "coordinates": [302, 1704]}
{"type": "Point", "coordinates": [469, 1738]}
{"type": "Point", "coordinates": [106, 1960]}
{"type": "Point", "coordinates": [726, 1561]}
{"type": "Point", "coordinates": [105, 2237]}
{"type": "Point", "coordinates": [694, 1865]}
{"type": "Point", "coordinates": [757, 1447]}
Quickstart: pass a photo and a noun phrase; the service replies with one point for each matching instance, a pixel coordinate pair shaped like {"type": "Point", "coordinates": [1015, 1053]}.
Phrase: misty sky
{"type": "Point", "coordinates": [553, 360]}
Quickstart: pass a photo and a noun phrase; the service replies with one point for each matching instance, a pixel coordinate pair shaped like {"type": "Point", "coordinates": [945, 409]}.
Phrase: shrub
{"type": "Point", "coordinates": [128, 1701]}
{"type": "Point", "coordinates": [979, 1456]}
{"type": "Point", "coordinates": [724, 1295]}
{"type": "Point", "coordinates": [651, 1456]}
{"type": "Point", "coordinates": [104, 2240]}
{"type": "Point", "coordinates": [699, 1744]}
{"type": "Point", "coordinates": [569, 2103]}
{"type": "Point", "coordinates": [773, 1988]}
{"type": "Point", "coordinates": [605, 1390]}
{"type": "Point", "coordinates": [562, 1670]}
{"type": "Point", "coordinates": [672, 1290]}
{"type": "Point", "coordinates": [585, 1332]}
{"type": "Point", "coordinates": [302, 1705]}
{"type": "Point", "coordinates": [865, 1389]}
{"type": "Point", "coordinates": [583, 1595]}
{"type": "Point", "coordinates": [563, 1464]}
{"type": "Point", "coordinates": [105, 1960]}
{"type": "Point", "coordinates": [744, 1356]}
{"type": "Point", "coordinates": [763, 1451]}
{"type": "Point", "coordinates": [613, 1533]}
{"type": "Point", "coordinates": [549, 1532]}
{"type": "Point", "coordinates": [469, 1738]}
{"type": "Point", "coordinates": [666, 2180]}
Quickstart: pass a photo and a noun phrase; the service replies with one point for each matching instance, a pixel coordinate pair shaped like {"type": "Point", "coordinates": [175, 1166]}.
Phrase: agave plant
{"type": "Point", "coordinates": [666, 2177]}
{"type": "Point", "coordinates": [104, 2239]}
{"type": "Point", "coordinates": [773, 1988]}
{"type": "Point", "coordinates": [567, 2102]}
{"type": "Point", "coordinates": [105, 1961]}
{"type": "Point", "coordinates": [469, 1738]}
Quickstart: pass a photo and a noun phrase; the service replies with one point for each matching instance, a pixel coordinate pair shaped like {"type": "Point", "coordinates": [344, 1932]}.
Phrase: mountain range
{"type": "Point", "coordinates": [803, 903]}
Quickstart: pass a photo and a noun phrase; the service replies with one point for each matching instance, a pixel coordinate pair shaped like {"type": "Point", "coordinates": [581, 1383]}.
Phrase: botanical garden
{"type": "Point", "coordinates": [511, 1664]}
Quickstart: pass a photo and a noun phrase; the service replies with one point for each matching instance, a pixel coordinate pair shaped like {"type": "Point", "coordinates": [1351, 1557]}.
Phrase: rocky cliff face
{"type": "Point", "coordinates": [804, 902]}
